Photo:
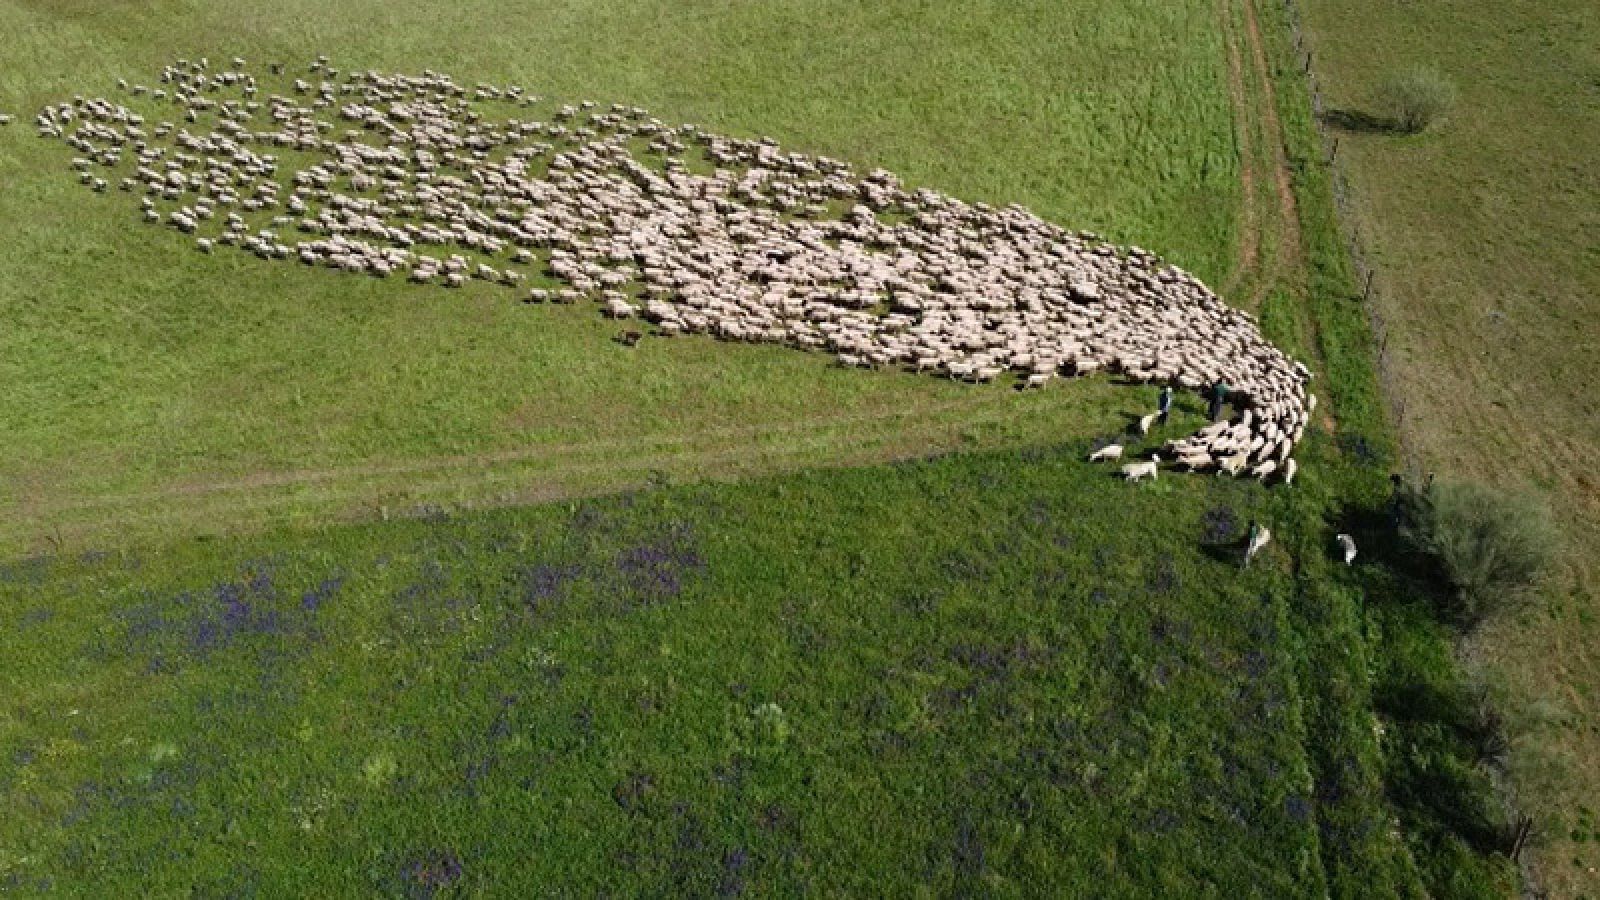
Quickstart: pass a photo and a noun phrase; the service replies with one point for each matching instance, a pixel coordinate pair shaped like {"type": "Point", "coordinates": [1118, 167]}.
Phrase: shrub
{"type": "Point", "coordinates": [1489, 547]}
{"type": "Point", "coordinates": [1416, 97]}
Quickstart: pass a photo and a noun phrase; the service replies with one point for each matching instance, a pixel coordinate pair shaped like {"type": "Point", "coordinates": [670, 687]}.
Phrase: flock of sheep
{"type": "Point", "coordinates": [407, 176]}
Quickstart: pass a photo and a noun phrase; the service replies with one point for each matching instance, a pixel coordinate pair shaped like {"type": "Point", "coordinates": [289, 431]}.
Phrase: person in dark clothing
{"type": "Point", "coordinates": [1219, 395]}
{"type": "Point", "coordinates": [1164, 405]}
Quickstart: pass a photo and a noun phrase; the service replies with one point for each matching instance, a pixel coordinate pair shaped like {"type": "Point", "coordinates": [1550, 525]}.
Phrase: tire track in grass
{"type": "Point", "coordinates": [563, 471]}
{"type": "Point", "coordinates": [1289, 254]}
{"type": "Point", "coordinates": [1257, 105]}
{"type": "Point", "coordinates": [1247, 257]}
{"type": "Point", "coordinates": [1253, 105]}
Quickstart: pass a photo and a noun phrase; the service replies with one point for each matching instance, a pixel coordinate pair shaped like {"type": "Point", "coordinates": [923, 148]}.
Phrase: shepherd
{"type": "Point", "coordinates": [1219, 394]}
{"type": "Point", "coordinates": [1164, 405]}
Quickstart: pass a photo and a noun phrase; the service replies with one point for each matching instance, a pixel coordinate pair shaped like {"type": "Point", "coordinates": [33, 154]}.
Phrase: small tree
{"type": "Point", "coordinates": [1490, 548]}
{"type": "Point", "coordinates": [1416, 97]}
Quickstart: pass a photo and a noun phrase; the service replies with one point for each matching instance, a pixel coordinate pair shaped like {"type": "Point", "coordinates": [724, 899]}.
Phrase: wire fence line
{"type": "Point", "coordinates": [1356, 244]}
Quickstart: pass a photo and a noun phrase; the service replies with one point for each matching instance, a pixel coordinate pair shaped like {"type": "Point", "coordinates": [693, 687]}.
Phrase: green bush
{"type": "Point", "coordinates": [1489, 547]}
{"type": "Point", "coordinates": [1416, 97]}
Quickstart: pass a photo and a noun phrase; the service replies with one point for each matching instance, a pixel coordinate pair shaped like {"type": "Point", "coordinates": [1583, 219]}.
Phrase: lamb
{"type": "Point", "coordinates": [1136, 471]}
{"type": "Point", "coordinates": [1145, 422]}
{"type": "Point", "coordinates": [1348, 545]}
{"type": "Point", "coordinates": [1107, 453]}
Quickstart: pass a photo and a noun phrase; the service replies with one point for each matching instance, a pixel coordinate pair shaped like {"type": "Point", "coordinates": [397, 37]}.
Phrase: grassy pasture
{"type": "Point", "coordinates": [1486, 230]}
{"type": "Point", "coordinates": [996, 671]}
{"type": "Point", "coordinates": [980, 682]}
{"type": "Point", "coordinates": [155, 388]}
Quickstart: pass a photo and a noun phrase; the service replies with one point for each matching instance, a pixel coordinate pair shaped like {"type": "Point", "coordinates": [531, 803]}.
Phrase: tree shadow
{"type": "Point", "coordinates": [1360, 122]}
{"type": "Point", "coordinates": [1441, 732]}
{"type": "Point", "coordinates": [1376, 531]}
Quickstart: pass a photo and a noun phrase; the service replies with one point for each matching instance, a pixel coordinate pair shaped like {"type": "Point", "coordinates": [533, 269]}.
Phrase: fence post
{"type": "Point", "coordinates": [1524, 828]}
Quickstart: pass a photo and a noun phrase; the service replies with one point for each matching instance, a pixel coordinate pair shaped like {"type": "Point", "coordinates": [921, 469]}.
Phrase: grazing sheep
{"type": "Point", "coordinates": [1136, 471]}
{"type": "Point", "coordinates": [406, 169]}
{"type": "Point", "coordinates": [1289, 468]}
{"type": "Point", "coordinates": [1260, 535]}
{"type": "Point", "coordinates": [1234, 464]}
{"type": "Point", "coordinates": [1106, 453]}
{"type": "Point", "coordinates": [1347, 544]}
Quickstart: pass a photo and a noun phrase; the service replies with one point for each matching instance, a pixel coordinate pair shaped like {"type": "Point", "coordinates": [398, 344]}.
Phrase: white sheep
{"type": "Point", "coordinates": [965, 290]}
{"type": "Point", "coordinates": [1259, 536]}
{"type": "Point", "coordinates": [1106, 453]}
{"type": "Point", "coordinates": [1348, 545]}
{"type": "Point", "coordinates": [1289, 468]}
{"type": "Point", "coordinates": [1136, 471]}
{"type": "Point", "coordinates": [1234, 464]}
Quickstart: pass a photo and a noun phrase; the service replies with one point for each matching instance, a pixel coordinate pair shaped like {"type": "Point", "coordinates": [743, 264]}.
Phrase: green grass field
{"type": "Point", "coordinates": [741, 621]}
{"type": "Point", "coordinates": [189, 392]}
{"type": "Point", "coordinates": [1487, 238]}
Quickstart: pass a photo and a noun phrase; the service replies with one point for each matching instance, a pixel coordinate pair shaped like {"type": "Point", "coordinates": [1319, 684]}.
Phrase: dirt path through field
{"type": "Point", "coordinates": [1248, 251]}
{"type": "Point", "coordinates": [525, 474]}
{"type": "Point", "coordinates": [1253, 106]}
{"type": "Point", "coordinates": [1289, 255]}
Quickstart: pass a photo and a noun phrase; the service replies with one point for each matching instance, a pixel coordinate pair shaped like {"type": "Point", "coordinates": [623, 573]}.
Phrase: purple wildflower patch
{"type": "Point", "coordinates": [168, 632]}
{"type": "Point", "coordinates": [29, 570]}
{"type": "Point", "coordinates": [968, 850]}
{"type": "Point", "coordinates": [775, 817]}
{"type": "Point", "coordinates": [632, 791]}
{"type": "Point", "coordinates": [36, 616]}
{"type": "Point", "coordinates": [1219, 525]}
{"type": "Point", "coordinates": [1163, 580]}
{"type": "Point", "coordinates": [545, 587]}
{"type": "Point", "coordinates": [654, 570]}
{"type": "Point", "coordinates": [1256, 663]}
{"type": "Point", "coordinates": [734, 863]}
{"type": "Point", "coordinates": [426, 873]}
{"type": "Point", "coordinates": [1297, 808]}
{"type": "Point", "coordinates": [313, 599]}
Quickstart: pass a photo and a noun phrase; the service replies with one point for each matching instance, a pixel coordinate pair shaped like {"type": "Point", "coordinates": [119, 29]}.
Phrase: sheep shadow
{"type": "Point", "coordinates": [1359, 122]}
{"type": "Point", "coordinates": [1229, 552]}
